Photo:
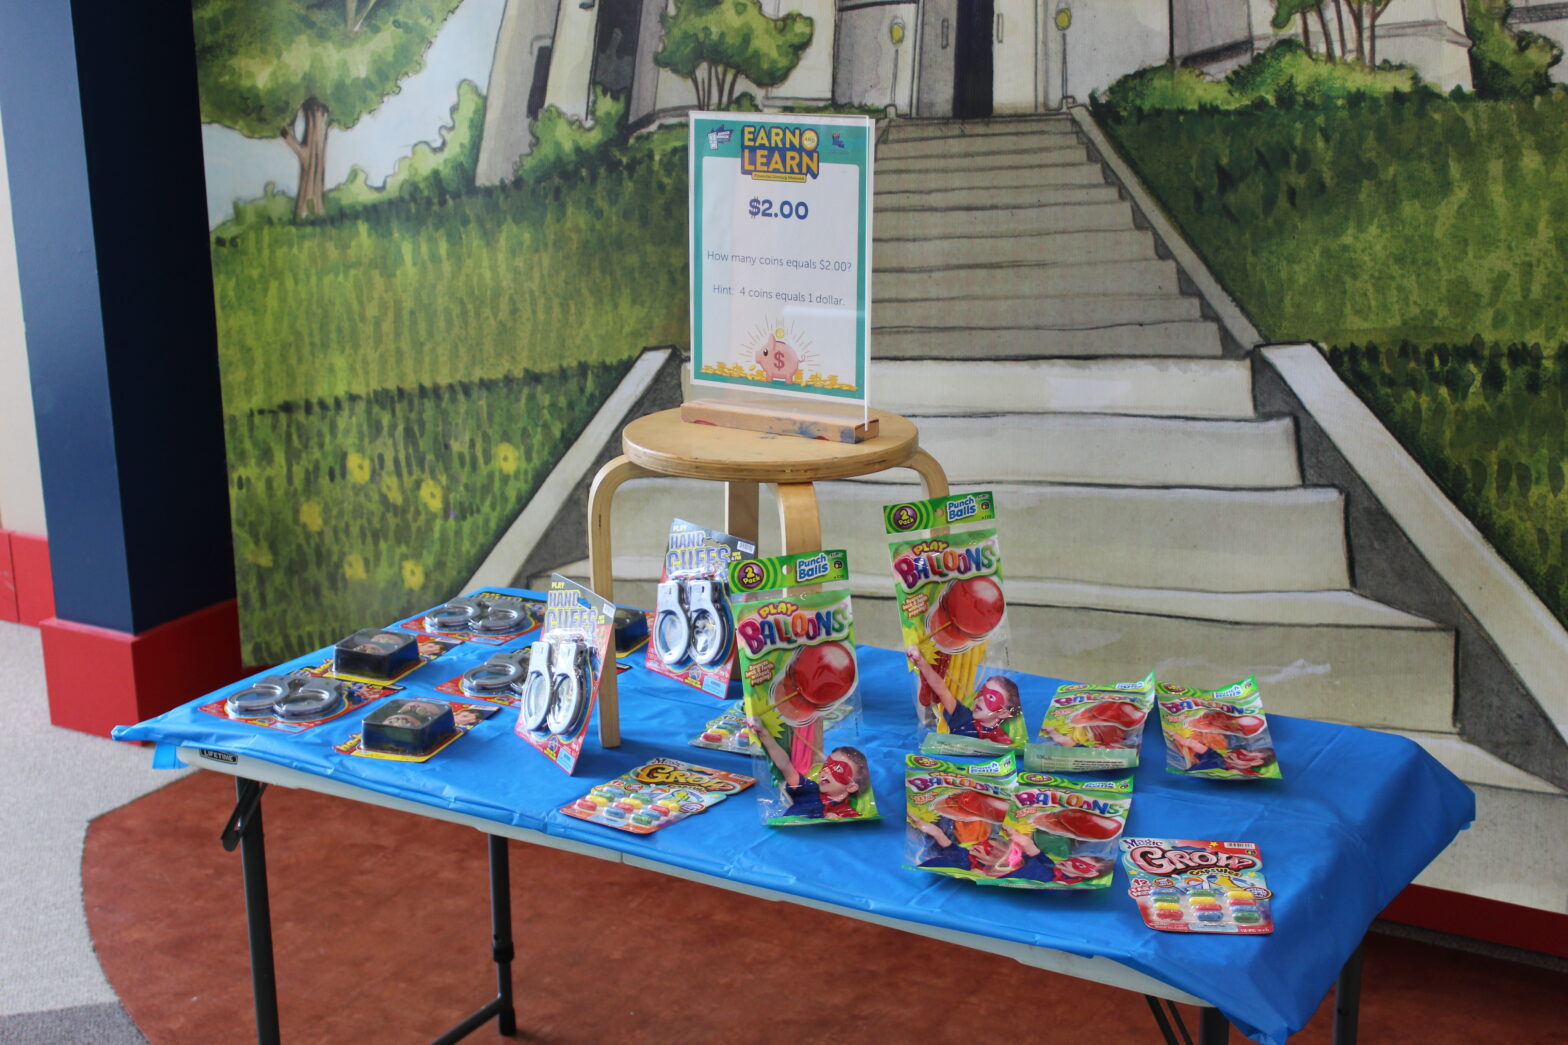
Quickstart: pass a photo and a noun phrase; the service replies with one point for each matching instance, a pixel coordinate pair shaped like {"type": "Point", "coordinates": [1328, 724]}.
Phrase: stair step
{"type": "Point", "coordinates": [1211, 388]}
{"type": "Point", "coordinates": [1083, 278]}
{"type": "Point", "coordinates": [1008, 177]}
{"type": "Point", "coordinates": [980, 164]}
{"type": "Point", "coordinates": [1192, 338]}
{"type": "Point", "coordinates": [1219, 540]}
{"type": "Point", "coordinates": [1331, 655]}
{"type": "Point", "coordinates": [1502, 817]}
{"type": "Point", "coordinates": [1012, 313]}
{"type": "Point", "coordinates": [895, 249]}
{"type": "Point", "coordinates": [1078, 217]}
{"type": "Point", "coordinates": [987, 197]}
{"type": "Point", "coordinates": [928, 130]}
{"type": "Point", "coordinates": [954, 152]}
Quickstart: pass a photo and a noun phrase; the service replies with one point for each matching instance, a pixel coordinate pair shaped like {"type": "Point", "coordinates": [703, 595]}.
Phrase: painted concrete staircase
{"type": "Point", "coordinates": [1149, 517]}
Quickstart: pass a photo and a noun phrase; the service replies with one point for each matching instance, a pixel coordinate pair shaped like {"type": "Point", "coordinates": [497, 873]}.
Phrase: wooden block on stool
{"type": "Point", "coordinates": [800, 423]}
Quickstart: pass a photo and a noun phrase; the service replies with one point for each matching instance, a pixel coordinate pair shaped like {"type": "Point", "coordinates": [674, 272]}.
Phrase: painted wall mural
{"type": "Point", "coordinates": [443, 230]}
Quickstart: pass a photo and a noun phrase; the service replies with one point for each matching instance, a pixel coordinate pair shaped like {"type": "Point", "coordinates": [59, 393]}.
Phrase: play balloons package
{"type": "Point", "coordinates": [1061, 833]}
{"type": "Point", "coordinates": [954, 620]}
{"type": "Point", "coordinates": [1221, 734]}
{"type": "Point", "coordinates": [800, 678]}
{"type": "Point", "coordinates": [1183, 885]}
{"type": "Point", "coordinates": [954, 814]}
{"type": "Point", "coordinates": [1090, 728]}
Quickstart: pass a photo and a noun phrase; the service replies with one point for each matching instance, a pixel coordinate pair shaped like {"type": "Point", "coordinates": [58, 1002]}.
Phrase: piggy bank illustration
{"type": "Point", "coordinates": [778, 360]}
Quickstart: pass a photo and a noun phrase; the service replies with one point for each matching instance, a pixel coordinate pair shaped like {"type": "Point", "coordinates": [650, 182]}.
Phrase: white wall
{"type": "Point", "coordinates": [21, 488]}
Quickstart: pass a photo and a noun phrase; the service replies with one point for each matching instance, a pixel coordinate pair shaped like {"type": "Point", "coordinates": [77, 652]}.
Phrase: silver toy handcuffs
{"type": "Point", "coordinates": [671, 626]}
{"type": "Point", "coordinates": [556, 691]}
{"type": "Point", "coordinates": [288, 696]}
{"type": "Point", "coordinates": [691, 622]}
{"type": "Point", "coordinates": [503, 671]}
{"type": "Point", "coordinates": [476, 615]}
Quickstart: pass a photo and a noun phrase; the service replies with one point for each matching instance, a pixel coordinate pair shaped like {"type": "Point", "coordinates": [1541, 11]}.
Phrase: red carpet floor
{"type": "Point", "coordinates": [381, 926]}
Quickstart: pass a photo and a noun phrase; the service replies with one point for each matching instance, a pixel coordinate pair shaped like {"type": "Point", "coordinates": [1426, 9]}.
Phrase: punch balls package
{"type": "Point", "coordinates": [801, 682]}
{"type": "Point", "coordinates": [1062, 833]}
{"type": "Point", "coordinates": [1221, 734]}
{"type": "Point", "coordinates": [953, 615]}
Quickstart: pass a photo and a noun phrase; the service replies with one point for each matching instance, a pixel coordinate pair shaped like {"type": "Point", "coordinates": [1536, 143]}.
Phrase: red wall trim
{"type": "Point", "coordinates": [8, 609]}
{"type": "Point", "coordinates": [99, 678]}
{"type": "Point", "coordinates": [1481, 919]}
{"type": "Point", "coordinates": [34, 578]}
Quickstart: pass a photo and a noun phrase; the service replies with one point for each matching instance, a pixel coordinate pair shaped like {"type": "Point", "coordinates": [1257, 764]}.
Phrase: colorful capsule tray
{"type": "Point", "coordinates": [1187, 886]}
{"type": "Point", "coordinates": [656, 795]}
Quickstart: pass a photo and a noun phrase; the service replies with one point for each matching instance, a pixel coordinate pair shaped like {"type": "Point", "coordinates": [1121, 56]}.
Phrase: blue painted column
{"type": "Point", "coordinates": [102, 137]}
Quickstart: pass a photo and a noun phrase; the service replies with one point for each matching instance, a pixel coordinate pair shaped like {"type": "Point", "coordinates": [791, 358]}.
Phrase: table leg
{"type": "Point", "coordinates": [1166, 1032]}
{"type": "Point", "coordinates": [1213, 1028]}
{"type": "Point", "coordinates": [501, 932]}
{"type": "Point", "coordinates": [741, 510]}
{"type": "Point", "coordinates": [601, 577]}
{"type": "Point", "coordinates": [245, 828]}
{"type": "Point", "coordinates": [798, 518]}
{"type": "Point", "coordinates": [1347, 1001]}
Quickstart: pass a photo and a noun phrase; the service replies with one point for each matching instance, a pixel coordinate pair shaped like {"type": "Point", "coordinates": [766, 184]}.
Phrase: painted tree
{"type": "Point", "coordinates": [713, 43]}
{"type": "Point", "coordinates": [292, 69]}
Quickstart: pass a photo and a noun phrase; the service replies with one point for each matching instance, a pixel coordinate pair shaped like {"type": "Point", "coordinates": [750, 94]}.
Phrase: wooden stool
{"type": "Point", "coordinates": [663, 444]}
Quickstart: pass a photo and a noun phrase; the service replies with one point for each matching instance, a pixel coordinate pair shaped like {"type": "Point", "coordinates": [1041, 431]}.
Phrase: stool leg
{"type": "Point", "coordinates": [741, 510]}
{"type": "Point", "coordinates": [798, 518]}
{"type": "Point", "coordinates": [601, 573]}
{"type": "Point", "coordinates": [932, 477]}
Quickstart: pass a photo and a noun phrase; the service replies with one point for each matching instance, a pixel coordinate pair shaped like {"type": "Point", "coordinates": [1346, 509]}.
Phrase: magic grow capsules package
{"type": "Point", "coordinates": [954, 620]}
{"type": "Point", "coordinates": [1089, 728]}
{"type": "Point", "coordinates": [801, 679]}
{"type": "Point", "coordinates": [1222, 734]}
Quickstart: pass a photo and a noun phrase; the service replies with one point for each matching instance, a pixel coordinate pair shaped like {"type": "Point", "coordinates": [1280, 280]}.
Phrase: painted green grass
{"type": "Point", "coordinates": [1486, 422]}
{"type": "Point", "coordinates": [1425, 218]}
{"type": "Point", "coordinates": [398, 380]}
{"type": "Point", "coordinates": [352, 511]}
{"type": "Point", "coordinates": [588, 267]}
{"type": "Point", "coordinates": [1428, 223]}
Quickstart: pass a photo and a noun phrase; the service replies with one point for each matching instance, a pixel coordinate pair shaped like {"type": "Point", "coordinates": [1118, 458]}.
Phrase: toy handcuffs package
{"type": "Point", "coordinates": [295, 701]}
{"type": "Point", "coordinates": [561, 685]}
{"type": "Point", "coordinates": [954, 815]}
{"type": "Point", "coordinates": [798, 670]}
{"type": "Point", "coordinates": [1090, 728]}
{"type": "Point", "coordinates": [483, 616]}
{"type": "Point", "coordinates": [691, 637]}
{"type": "Point", "coordinates": [1221, 734]}
{"type": "Point", "coordinates": [1062, 833]}
{"type": "Point", "coordinates": [656, 794]}
{"type": "Point", "coordinates": [1187, 886]}
{"type": "Point", "coordinates": [954, 619]}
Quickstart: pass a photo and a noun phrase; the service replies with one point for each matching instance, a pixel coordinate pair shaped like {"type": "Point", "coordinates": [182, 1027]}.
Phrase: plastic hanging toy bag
{"type": "Point", "coordinates": [1062, 833]}
{"type": "Point", "coordinates": [1221, 734]}
{"type": "Point", "coordinates": [1090, 728]}
{"type": "Point", "coordinates": [954, 814]}
{"type": "Point", "coordinates": [801, 684]}
{"type": "Point", "coordinates": [954, 620]}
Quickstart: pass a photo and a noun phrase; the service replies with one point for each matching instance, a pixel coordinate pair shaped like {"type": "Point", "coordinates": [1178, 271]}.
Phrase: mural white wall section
{"type": "Point", "coordinates": [21, 486]}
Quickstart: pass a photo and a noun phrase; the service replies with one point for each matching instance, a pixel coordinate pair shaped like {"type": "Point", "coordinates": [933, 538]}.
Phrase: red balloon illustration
{"type": "Point", "coordinates": [815, 679]}
{"type": "Point", "coordinates": [966, 613]}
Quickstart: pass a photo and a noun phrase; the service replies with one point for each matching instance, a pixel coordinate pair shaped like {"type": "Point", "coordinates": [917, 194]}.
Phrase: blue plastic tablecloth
{"type": "Point", "coordinates": [1355, 819]}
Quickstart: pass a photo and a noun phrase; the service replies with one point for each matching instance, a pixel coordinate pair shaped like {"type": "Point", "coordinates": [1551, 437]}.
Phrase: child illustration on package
{"type": "Point", "coordinates": [954, 621]}
{"type": "Point", "coordinates": [955, 815]}
{"type": "Point", "coordinates": [798, 670]}
{"type": "Point", "coordinates": [1063, 832]}
{"type": "Point", "coordinates": [1220, 734]}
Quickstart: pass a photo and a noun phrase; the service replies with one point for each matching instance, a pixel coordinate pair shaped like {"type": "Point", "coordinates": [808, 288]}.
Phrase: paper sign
{"type": "Point", "coordinates": [781, 253]}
